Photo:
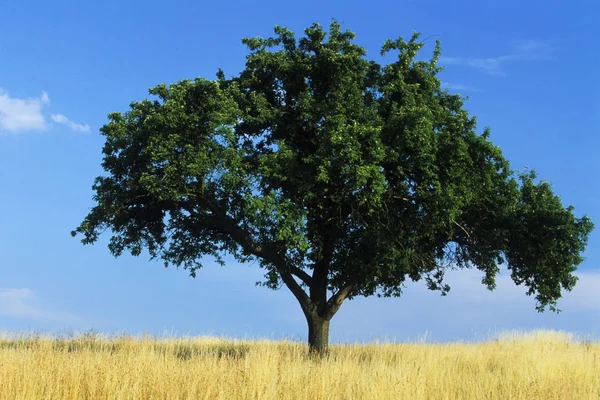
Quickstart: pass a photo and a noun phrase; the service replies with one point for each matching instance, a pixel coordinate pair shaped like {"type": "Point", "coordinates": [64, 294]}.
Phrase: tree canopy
{"type": "Point", "coordinates": [343, 177]}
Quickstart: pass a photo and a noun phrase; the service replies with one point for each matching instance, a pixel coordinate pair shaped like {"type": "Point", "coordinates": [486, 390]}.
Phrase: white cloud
{"type": "Point", "coordinates": [45, 98]}
{"type": "Point", "coordinates": [459, 87]}
{"type": "Point", "coordinates": [21, 115]}
{"type": "Point", "coordinates": [21, 303]}
{"type": "Point", "coordinates": [26, 115]}
{"type": "Point", "coordinates": [468, 312]}
{"type": "Point", "coordinates": [61, 119]}
{"type": "Point", "coordinates": [584, 295]}
{"type": "Point", "coordinates": [466, 285]}
{"type": "Point", "coordinates": [490, 66]}
{"type": "Point", "coordinates": [534, 49]}
{"type": "Point", "coordinates": [525, 50]}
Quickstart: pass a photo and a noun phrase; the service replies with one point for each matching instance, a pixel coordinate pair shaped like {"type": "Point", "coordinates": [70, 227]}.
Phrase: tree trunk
{"type": "Point", "coordinates": [318, 334]}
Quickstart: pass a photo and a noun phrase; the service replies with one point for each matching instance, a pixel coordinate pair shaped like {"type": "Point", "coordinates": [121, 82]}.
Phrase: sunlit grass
{"type": "Point", "coordinates": [535, 365]}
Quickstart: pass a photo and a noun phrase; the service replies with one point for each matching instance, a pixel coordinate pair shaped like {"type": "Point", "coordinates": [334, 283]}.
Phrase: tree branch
{"type": "Point", "coordinates": [335, 302]}
{"type": "Point", "coordinates": [318, 290]}
{"type": "Point", "coordinates": [302, 275]}
{"type": "Point", "coordinates": [230, 226]}
{"type": "Point", "coordinates": [296, 290]}
{"type": "Point", "coordinates": [463, 229]}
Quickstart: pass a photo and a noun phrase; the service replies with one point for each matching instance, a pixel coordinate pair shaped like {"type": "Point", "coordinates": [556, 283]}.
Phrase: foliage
{"type": "Point", "coordinates": [340, 175]}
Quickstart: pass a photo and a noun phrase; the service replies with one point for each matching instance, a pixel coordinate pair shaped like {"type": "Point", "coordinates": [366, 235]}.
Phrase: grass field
{"type": "Point", "coordinates": [537, 365]}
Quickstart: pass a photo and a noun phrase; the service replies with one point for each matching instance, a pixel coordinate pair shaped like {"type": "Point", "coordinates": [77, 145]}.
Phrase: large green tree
{"type": "Point", "coordinates": [341, 176]}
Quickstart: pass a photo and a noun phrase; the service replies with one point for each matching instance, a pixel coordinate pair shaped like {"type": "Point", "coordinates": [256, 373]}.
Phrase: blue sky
{"type": "Point", "coordinates": [529, 68]}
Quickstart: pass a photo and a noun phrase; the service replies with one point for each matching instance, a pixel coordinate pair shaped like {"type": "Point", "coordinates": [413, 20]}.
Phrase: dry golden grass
{"type": "Point", "coordinates": [540, 365]}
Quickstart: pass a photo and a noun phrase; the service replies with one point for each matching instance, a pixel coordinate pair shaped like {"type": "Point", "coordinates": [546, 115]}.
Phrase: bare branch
{"type": "Point", "coordinates": [228, 225]}
{"type": "Point", "coordinates": [463, 229]}
{"type": "Point", "coordinates": [296, 290]}
{"type": "Point", "coordinates": [302, 275]}
{"type": "Point", "coordinates": [335, 302]}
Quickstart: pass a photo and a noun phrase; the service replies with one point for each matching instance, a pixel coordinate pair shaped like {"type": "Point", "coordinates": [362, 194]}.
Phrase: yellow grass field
{"type": "Point", "coordinates": [537, 365]}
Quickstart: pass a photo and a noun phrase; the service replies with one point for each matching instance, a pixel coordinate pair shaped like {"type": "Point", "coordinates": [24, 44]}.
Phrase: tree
{"type": "Point", "coordinates": [341, 176]}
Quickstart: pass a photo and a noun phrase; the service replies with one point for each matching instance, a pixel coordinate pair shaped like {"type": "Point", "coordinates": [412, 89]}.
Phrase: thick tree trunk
{"type": "Point", "coordinates": [318, 334]}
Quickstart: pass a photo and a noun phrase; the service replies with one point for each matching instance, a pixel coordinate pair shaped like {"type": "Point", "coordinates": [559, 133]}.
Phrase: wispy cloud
{"type": "Point", "coordinates": [525, 50]}
{"type": "Point", "coordinates": [21, 303]}
{"type": "Point", "coordinates": [19, 115]}
{"type": "Point", "coordinates": [534, 49]}
{"type": "Point", "coordinates": [459, 87]}
{"type": "Point", "coordinates": [61, 119]}
{"type": "Point", "coordinates": [470, 311]}
{"type": "Point", "coordinates": [469, 287]}
{"type": "Point", "coordinates": [585, 294]}
{"type": "Point", "coordinates": [492, 66]}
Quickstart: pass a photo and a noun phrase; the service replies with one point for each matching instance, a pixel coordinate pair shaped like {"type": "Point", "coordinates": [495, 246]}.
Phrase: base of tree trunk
{"type": "Point", "coordinates": [318, 335]}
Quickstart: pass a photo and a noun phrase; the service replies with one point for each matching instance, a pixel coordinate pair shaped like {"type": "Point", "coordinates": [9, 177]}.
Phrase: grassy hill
{"type": "Point", "coordinates": [537, 365]}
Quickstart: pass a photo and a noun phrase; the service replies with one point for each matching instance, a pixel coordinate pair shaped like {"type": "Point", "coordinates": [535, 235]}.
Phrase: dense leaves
{"type": "Point", "coordinates": [341, 176]}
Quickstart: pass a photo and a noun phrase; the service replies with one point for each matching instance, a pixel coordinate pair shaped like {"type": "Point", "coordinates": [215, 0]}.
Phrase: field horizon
{"type": "Point", "coordinates": [539, 364]}
{"type": "Point", "coordinates": [425, 338]}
